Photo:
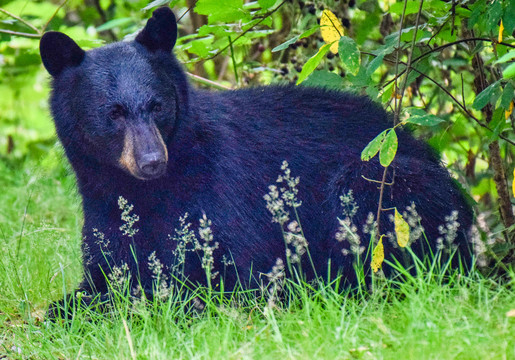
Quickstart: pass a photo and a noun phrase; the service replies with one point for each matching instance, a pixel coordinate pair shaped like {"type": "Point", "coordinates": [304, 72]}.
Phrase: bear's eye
{"type": "Point", "coordinates": [156, 107]}
{"type": "Point", "coordinates": [116, 113]}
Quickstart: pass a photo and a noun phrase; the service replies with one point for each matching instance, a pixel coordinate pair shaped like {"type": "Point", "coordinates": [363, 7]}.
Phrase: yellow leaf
{"type": "Point", "coordinates": [501, 29]}
{"type": "Point", "coordinates": [511, 313]}
{"type": "Point", "coordinates": [396, 95]}
{"type": "Point", "coordinates": [401, 229]}
{"type": "Point", "coordinates": [508, 112]}
{"type": "Point", "coordinates": [331, 29]}
{"type": "Point", "coordinates": [377, 256]}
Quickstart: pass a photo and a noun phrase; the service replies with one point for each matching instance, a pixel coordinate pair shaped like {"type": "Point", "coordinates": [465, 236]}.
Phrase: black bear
{"type": "Point", "coordinates": [143, 142]}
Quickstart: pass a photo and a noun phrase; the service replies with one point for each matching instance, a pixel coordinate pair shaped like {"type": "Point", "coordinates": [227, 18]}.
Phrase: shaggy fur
{"type": "Point", "coordinates": [224, 149]}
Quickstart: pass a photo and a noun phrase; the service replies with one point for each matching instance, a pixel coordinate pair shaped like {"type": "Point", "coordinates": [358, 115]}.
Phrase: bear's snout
{"type": "Point", "coordinates": [144, 153]}
{"type": "Point", "coordinates": [152, 165]}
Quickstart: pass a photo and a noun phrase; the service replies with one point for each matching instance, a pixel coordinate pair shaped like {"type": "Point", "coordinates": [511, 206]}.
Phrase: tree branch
{"type": "Point", "coordinates": [24, 22]}
{"type": "Point", "coordinates": [399, 103]}
{"type": "Point", "coordinates": [495, 160]}
{"type": "Point", "coordinates": [208, 82]}
{"type": "Point", "coordinates": [441, 47]}
{"type": "Point", "coordinates": [22, 34]}
{"type": "Point", "coordinates": [53, 15]}
{"type": "Point", "coordinates": [461, 105]}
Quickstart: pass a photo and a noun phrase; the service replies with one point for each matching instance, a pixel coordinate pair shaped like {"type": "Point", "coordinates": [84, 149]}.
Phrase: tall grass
{"type": "Point", "coordinates": [438, 313]}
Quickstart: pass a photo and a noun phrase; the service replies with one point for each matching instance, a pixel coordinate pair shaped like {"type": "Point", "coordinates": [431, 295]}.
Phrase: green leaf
{"type": "Point", "coordinates": [373, 147]}
{"type": "Point", "coordinates": [407, 33]}
{"type": "Point", "coordinates": [509, 72]}
{"type": "Point", "coordinates": [447, 35]}
{"type": "Point", "coordinates": [390, 44]}
{"type": "Point", "coordinates": [114, 23]}
{"type": "Point", "coordinates": [421, 117]}
{"type": "Point", "coordinates": [508, 19]}
{"type": "Point", "coordinates": [426, 120]}
{"type": "Point", "coordinates": [90, 43]}
{"type": "Point", "coordinates": [309, 32]}
{"type": "Point", "coordinates": [411, 7]}
{"type": "Point", "coordinates": [312, 63]}
{"type": "Point", "coordinates": [465, 13]}
{"type": "Point", "coordinates": [222, 10]}
{"type": "Point", "coordinates": [285, 44]}
{"type": "Point", "coordinates": [498, 124]}
{"type": "Point", "coordinates": [360, 80]}
{"type": "Point", "coordinates": [414, 111]}
{"type": "Point", "coordinates": [506, 57]}
{"type": "Point", "coordinates": [478, 9]}
{"type": "Point", "coordinates": [265, 4]}
{"type": "Point", "coordinates": [294, 39]}
{"type": "Point", "coordinates": [372, 92]}
{"type": "Point", "coordinates": [371, 21]}
{"type": "Point", "coordinates": [483, 98]}
{"type": "Point", "coordinates": [374, 64]}
{"type": "Point", "coordinates": [507, 96]}
{"type": "Point", "coordinates": [349, 54]}
{"type": "Point", "coordinates": [388, 148]}
{"type": "Point", "coordinates": [201, 47]}
{"type": "Point", "coordinates": [387, 93]}
{"type": "Point", "coordinates": [494, 13]}
{"type": "Point", "coordinates": [324, 78]}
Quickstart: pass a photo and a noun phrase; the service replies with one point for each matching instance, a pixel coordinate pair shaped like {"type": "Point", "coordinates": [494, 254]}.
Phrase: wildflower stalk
{"type": "Point", "coordinates": [286, 251]}
{"type": "Point", "coordinates": [307, 244]}
{"type": "Point", "coordinates": [278, 198]}
{"type": "Point", "coordinates": [206, 234]}
{"type": "Point", "coordinates": [128, 228]}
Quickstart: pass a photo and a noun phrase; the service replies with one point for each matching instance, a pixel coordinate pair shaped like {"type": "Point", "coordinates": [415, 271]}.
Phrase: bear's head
{"type": "Point", "coordinates": [120, 104]}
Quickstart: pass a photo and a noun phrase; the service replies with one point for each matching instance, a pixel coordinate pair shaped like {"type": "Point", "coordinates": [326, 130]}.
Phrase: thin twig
{"type": "Point", "coordinates": [53, 15]}
{"type": "Point", "coordinates": [441, 47]}
{"type": "Point", "coordinates": [208, 82]}
{"type": "Point", "coordinates": [410, 54]}
{"type": "Point", "coordinates": [376, 181]}
{"type": "Point", "coordinates": [397, 64]}
{"type": "Point", "coordinates": [26, 23]}
{"type": "Point", "coordinates": [22, 34]}
{"type": "Point", "coordinates": [30, 35]}
{"type": "Point", "coordinates": [463, 107]}
{"type": "Point", "coordinates": [187, 11]}
{"type": "Point", "coordinates": [380, 206]}
{"type": "Point", "coordinates": [396, 108]}
{"type": "Point", "coordinates": [234, 62]}
{"type": "Point", "coordinates": [463, 92]}
{"type": "Point", "coordinates": [399, 103]}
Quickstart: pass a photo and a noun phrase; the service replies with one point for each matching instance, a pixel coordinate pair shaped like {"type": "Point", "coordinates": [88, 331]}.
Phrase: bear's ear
{"type": "Point", "coordinates": [59, 52]}
{"type": "Point", "coordinates": [160, 33]}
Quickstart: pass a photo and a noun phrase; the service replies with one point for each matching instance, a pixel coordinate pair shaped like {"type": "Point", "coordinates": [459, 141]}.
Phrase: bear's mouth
{"type": "Point", "coordinates": [151, 166]}
{"type": "Point", "coordinates": [144, 153]}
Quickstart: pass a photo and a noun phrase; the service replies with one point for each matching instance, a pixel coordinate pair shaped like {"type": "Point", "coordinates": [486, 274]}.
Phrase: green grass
{"type": "Point", "coordinates": [422, 317]}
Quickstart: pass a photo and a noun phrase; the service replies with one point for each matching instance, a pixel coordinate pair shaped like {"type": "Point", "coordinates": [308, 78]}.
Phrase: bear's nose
{"type": "Point", "coordinates": [152, 165]}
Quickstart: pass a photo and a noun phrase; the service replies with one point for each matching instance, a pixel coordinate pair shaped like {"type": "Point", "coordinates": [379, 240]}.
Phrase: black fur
{"type": "Point", "coordinates": [160, 33]}
{"type": "Point", "coordinates": [58, 52]}
{"type": "Point", "coordinates": [224, 149]}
